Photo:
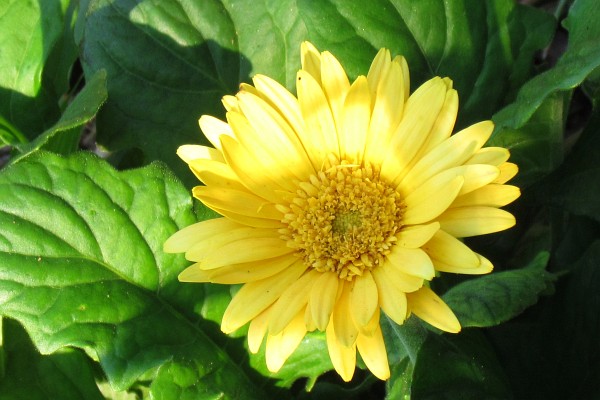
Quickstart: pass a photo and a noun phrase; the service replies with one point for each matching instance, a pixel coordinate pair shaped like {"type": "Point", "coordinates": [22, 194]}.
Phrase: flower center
{"type": "Point", "coordinates": [344, 219]}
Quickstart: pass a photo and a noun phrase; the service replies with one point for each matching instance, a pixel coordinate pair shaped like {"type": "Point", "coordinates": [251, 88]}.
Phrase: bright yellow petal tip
{"type": "Point", "coordinates": [339, 203]}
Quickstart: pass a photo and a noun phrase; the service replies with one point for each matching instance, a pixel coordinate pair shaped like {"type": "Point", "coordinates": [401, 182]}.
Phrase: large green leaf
{"type": "Point", "coordinates": [580, 59]}
{"type": "Point", "coordinates": [171, 61]}
{"type": "Point", "coordinates": [492, 299]}
{"type": "Point", "coordinates": [480, 45]}
{"type": "Point", "coordinates": [81, 264]}
{"type": "Point", "coordinates": [31, 32]}
{"type": "Point", "coordinates": [29, 375]}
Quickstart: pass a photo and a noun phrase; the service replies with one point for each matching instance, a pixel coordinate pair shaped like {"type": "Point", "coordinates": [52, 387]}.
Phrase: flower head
{"type": "Point", "coordinates": [339, 204]}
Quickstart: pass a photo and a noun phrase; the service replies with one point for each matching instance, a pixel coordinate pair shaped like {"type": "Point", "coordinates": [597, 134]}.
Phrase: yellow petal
{"type": "Point", "coordinates": [222, 238]}
{"type": "Point", "coordinates": [373, 324]}
{"type": "Point", "coordinates": [346, 330]}
{"type": "Point", "coordinates": [245, 87]}
{"type": "Point", "coordinates": [213, 128]}
{"type": "Point", "coordinates": [412, 237]}
{"type": "Point", "coordinates": [421, 111]}
{"type": "Point", "coordinates": [282, 345]}
{"type": "Point", "coordinates": [449, 250]}
{"type": "Point", "coordinates": [240, 273]}
{"type": "Point", "coordinates": [281, 100]}
{"type": "Point", "coordinates": [412, 262]}
{"type": "Point", "coordinates": [257, 331]}
{"type": "Point", "coordinates": [311, 60]}
{"type": "Point", "coordinates": [291, 302]}
{"type": "Point", "coordinates": [431, 199]}
{"type": "Point", "coordinates": [335, 83]}
{"type": "Point", "coordinates": [189, 152]}
{"type": "Point", "coordinates": [450, 153]}
{"type": "Point", "coordinates": [254, 297]}
{"type": "Point", "coordinates": [489, 155]}
{"type": "Point", "coordinates": [275, 134]}
{"type": "Point", "coordinates": [484, 267]}
{"type": "Point", "coordinates": [355, 121]}
{"type": "Point", "coordinates": [194, 273]}
{"type": "Point", "coordinates": [187, 237]}
{"type": "Point", "coordinates": [247, 220]}
{"type": "Point", "coordinates": [444, 124]}
{"type": "Point", "coordinates": [474, 221]}
{"type": "Point", "coordinates": [322, 298]}
{"type": "Point", "coordinates": [372, 350]}
{"type": "Point", "coordinates": [387, 113]}
{"type": "Point", "coordinates": [428, 306]}
{"type": "Point", "coordinates": [492, 195]}
{"type": "Point", "coordinates": [363, 299]}
{"type": "Point", "coordinates": [230, 103]}
{"type": "Point", "coordinates": [238, 201]}
{"type": "Point", "coordinates": [321, 133]}
{"type": "Point", "coordinates": [378, 70]}
{"type": "Point", "coordinates": [405, 74]}
{"type": "Point", "coordinates": [215, 173]}
{"type": "Point", "coordinates": [507, 172]}
{"type": "Point", "coordinates": [342, 357]}
{"type": "Point", "coordinates": [268, 183]}
{"type": "Point", "coordinates": [403, 282]}
{"type": "Point", "coordinates": [391, 299]}
{"type": "Point", "coordinates": [476, 176]}
{"type": "Point", "coordinates": [268, 147]}
{"type": "Point", "coordinates": [240, 251]}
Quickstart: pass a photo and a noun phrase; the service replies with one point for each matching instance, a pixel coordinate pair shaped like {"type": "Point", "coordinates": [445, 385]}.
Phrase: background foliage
{"type": "Point", "coordinates": [90, 306]}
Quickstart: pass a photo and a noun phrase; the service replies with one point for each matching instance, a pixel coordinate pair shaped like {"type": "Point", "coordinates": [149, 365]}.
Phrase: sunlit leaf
{"type": "Point", "coordinates": [81, 264]}
{"type": "Point", "coordinates": [31, 31]}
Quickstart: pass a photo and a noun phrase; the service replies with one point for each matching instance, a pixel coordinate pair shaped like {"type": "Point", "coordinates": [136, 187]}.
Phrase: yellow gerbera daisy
{"type": "Point", "coordinates": [340, 203]}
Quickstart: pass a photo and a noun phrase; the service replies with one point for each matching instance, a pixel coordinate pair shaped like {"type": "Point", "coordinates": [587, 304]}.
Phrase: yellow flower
{"type": "Point", "coordinates": [340, 203]}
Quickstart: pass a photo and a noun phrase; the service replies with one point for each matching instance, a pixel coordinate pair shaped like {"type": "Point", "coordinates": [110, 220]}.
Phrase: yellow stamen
{"type": "Point", "coordinates": [344, 219]}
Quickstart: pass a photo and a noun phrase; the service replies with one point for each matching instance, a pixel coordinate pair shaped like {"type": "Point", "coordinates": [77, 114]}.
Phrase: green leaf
{"type": "Point", "coordinates": [10, 135]}
{"type": "Point", "coordinates": [574, 325]}
{"type": "Point", "coordinates": [479, 45]}
{"type": "Point", "coordinates": [537, 146]}
{"type": "Point", "coordinates": [31, 30]}
{"type": "Point", "coordinates": [63, 137]}
{"type": "Point", "coordinates": [580, 59]}
{"type": "Point", "coordinates": [493, 299]}
{"type": "Point", "coordinates": [554, 352]}
{"type": "Point", "coordinates": [310, 360]}
{"type": "Point", "coordinates": [576, 185]}
{"type": "Point", "coordinates": [65, 374]}
{"type": "Point", "coordinates": [169, 64]}
{"type": "Point", "coordinates": [81, 264]}
{"type": "Point", "coordinates": [398, 386]}
{"type": "Point", "coordinates": [269, 33]}
{"type": "Point", "coordinates": [461, 367]}
{"type": "Point", "coordinates": [403, 341]}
